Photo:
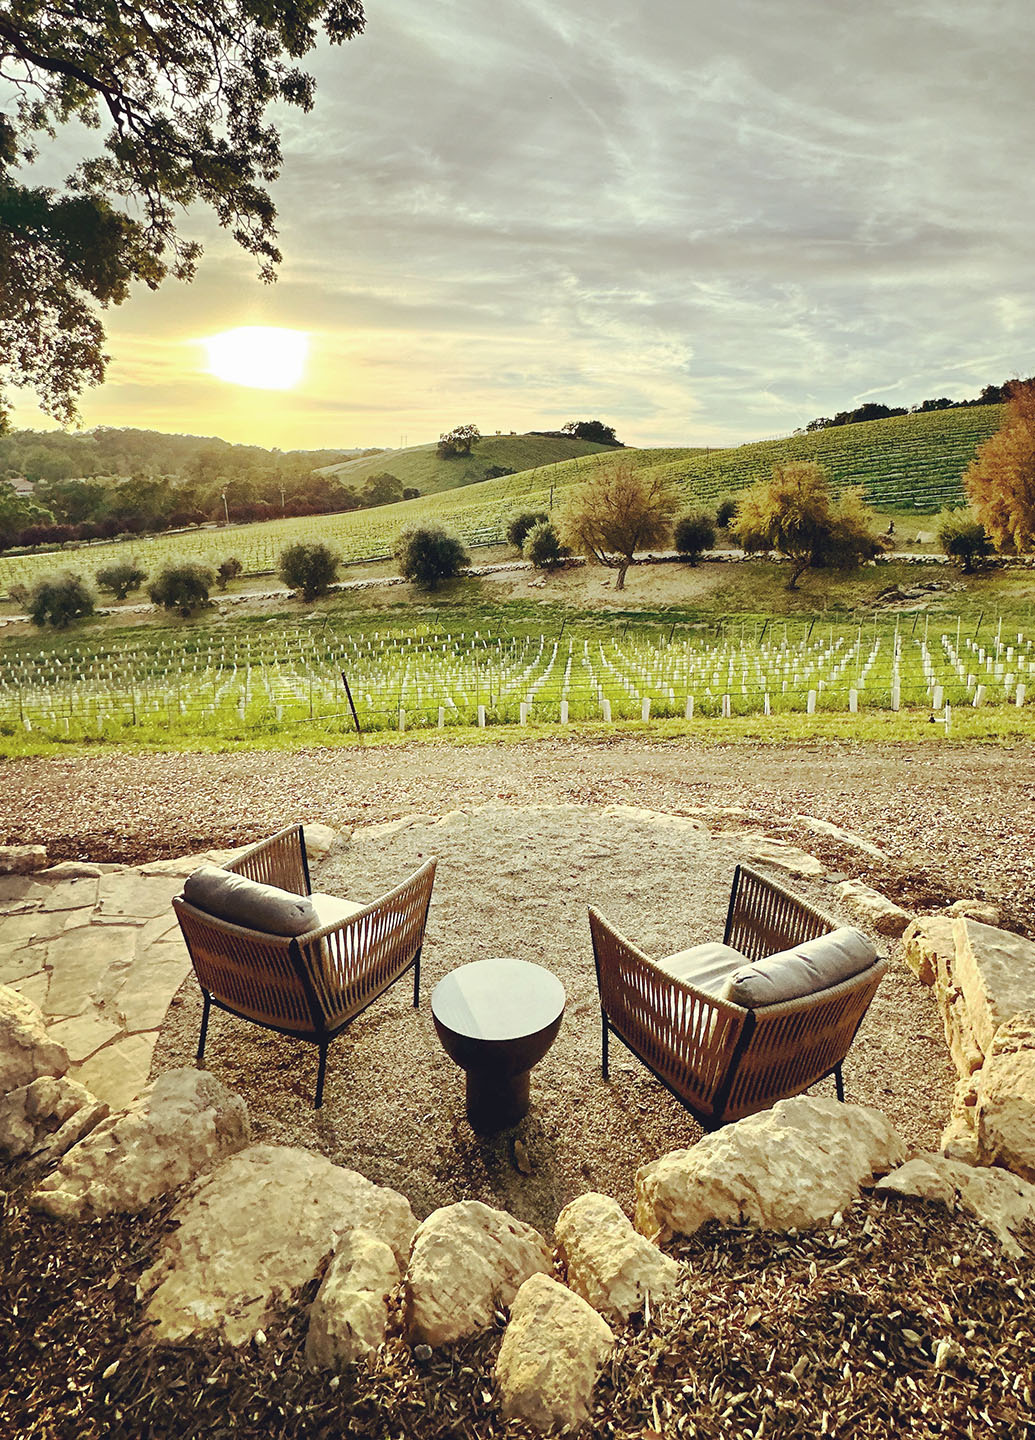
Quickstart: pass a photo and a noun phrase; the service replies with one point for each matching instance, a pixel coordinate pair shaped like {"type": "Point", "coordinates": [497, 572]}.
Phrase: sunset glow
{"type": "Point", "coordinates": [262, 356]}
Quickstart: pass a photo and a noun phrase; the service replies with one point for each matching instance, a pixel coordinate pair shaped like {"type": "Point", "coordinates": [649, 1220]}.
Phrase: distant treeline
{"type": "Point", "coordinates": [111, 482]}
{"type": "Point", "coordinates": [990, 395]}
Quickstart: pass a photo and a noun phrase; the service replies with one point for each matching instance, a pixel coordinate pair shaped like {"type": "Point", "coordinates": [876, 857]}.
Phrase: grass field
{"type": "Point", "coordinates": [464, 668]}
{"type": "Point", "coordinates": [912, 463]}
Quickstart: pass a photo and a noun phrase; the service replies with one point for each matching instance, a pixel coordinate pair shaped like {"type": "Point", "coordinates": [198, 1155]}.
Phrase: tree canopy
{"type": "Point", "coordinates": [594, 430]}
{"type": "Point", "coordinates": [1000, 480]}
{"type": "Point", "coordinates": [184, 87]}
{"type": "Point", "coordinates": [458, 441]}
{"type": "Point", "coordinates": [615, 513]}
{"type": "Point", "coordinates": [795, 513]}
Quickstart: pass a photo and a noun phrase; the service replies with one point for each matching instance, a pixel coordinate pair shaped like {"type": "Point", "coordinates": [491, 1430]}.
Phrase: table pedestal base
{"type": "Point", "coordinates": [494, 1101]}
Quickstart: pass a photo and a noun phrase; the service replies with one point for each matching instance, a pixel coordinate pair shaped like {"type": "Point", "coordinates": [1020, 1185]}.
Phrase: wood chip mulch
{"type": "Point", "coordinates": [901, 1321]}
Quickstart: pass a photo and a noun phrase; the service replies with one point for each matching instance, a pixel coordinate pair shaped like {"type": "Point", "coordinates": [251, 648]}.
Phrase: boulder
{"type": "Point", "coordinates": [791, 1167]}
{"type": "Point", "coordinates": [967, 1055]}
{"type": "Point", "coordinates": [47, 1117]}
{"type": "Point", "coordinates": [26, 1049]}
{"type": "Point", "coordinates": [925, 940]}
{"type": "Point", "coordinates": [1005, 1101]}
{"type": "Point", "coordinates": [609, 1263]}
{"type": "Point", "coordinates": [181, 1125]}
{"type": "Point", "coordinates": [959, 1138]}
{"type": "Point", "coordinates": [982, 910]}
{"type": "Point", "coordinates": [322, 840]}
{"type": "Point", "coordinates": [466, 1259]}
{"type": "Point", "coordinates": [874, 909]}
{"type": "Point", "coordinates": [348, 1318]}
{"type": "Point", "coordinates": [552, 1352]}
{"type": "Point", "coordinates": [1004, 1204]}
{"type": "Point", "coordinates": [253, 1230]}
{"type": "Point", "coordinates": [22, 859]}
{"type": "Point", "coordinates": [995, 970]}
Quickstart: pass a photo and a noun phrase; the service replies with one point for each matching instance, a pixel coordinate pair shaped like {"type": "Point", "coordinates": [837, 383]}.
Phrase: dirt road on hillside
{"type": "Point", "coordinates": [953, 822]}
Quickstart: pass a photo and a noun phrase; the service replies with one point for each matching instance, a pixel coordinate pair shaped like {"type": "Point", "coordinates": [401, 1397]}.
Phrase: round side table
{"type": "Point", "coordinates": [496, 1019]}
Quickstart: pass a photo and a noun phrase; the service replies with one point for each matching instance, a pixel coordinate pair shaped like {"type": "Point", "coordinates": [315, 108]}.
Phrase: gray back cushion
{"type": "Point", "coordinates": [805, 970]}
{"type": "Point", "coordinates": [247, 903]}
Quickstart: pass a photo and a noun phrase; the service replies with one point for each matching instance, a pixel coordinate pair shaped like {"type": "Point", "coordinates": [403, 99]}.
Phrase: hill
{"type": "Point", "coordinates": [912, 461]}
{"type": "Point", "coordinates": [420, 467]}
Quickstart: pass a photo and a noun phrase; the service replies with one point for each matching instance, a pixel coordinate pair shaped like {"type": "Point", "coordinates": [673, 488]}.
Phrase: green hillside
{"type": "Point", "coordinates": [911, 461]}
{"type": "Point", "coordinates": [420, 467]}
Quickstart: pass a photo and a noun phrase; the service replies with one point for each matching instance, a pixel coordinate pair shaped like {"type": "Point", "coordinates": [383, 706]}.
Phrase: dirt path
{"type": "Point", "coordinates": [953, 821]}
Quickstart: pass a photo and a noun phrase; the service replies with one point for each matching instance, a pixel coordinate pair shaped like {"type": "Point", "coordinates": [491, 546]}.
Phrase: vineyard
{"type": "Point", "coordinates": [259, 678]}
{"type": "Point", "coordinates": [914, 462]}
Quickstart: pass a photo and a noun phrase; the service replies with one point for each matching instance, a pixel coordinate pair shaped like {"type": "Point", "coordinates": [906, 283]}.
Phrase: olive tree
{"type": "Point", "coordinates": [57, 600]}
{"type": "Point", "coordinates": [962, 536]}
{"type": "Point", "coordinates": [693, 535]}
{"type": "Point", "coordinates": [182, 587]}
{"type": "Point", "coordinates": [120, 579]}
{"type": "Point", "coordinates": [309, 569]}
{"type": "Point", "coordinates": [427, 555]}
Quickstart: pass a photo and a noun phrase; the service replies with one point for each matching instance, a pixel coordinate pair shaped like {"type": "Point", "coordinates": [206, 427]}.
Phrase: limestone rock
{"type": "Point", "coordinates": [180, 1126]}
{"type": "Point", "coordinates": [552, 1352]}
{"type": "Point", "coordinates": [466, 1258]}
{"type": "Point", "coordinates": [322, 840]}
{"type": "Point", "coordinates": [1006, 1098]}
{"type": "Point", "coordinates": [22, 859]}
{"type": "Point", "coordinates": [609, 1264]}
{"type": "Point", "coordinates": [74, 870]}
{"type": "Point", "coordinates": [995, 970]}
{"type": "Point", "coordinates": [926, 939]}
{"type": "Point", "coordinates": [959, 1138]}
{"type": "Point", "coordinates": [348, 1318]}
{"type": "Point", "coordinates": [49, 1115]}
{"type": "Point", "coordinates": [875, 909]}
{"type": "Point", "coordinates": [779, 853]}
{"type": "Point", "coordinates": [790, 1167]}
{"type": "Point", "coordinates": [257, 1227]}
{"type": "Point", "coordinates": [1004, 1204]}
{"type": "Point", "coordinates": [846, 837]}
{"type": "Point", "coordinates": [982, 910]}
{"type": "Point", "coordinates": [26, 1049]}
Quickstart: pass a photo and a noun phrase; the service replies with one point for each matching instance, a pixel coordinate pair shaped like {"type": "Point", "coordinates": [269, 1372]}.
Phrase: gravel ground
{"type": "Point", "coordinates": [516, 880]}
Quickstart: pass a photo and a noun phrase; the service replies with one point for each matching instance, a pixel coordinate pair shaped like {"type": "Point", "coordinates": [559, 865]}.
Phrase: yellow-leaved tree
{"type": "Point", "coordinates": [795, 513]}
{"type": "Point", "coordinates": [618, 511]}
{"type": "Point", "coordinates": [1000, 480]}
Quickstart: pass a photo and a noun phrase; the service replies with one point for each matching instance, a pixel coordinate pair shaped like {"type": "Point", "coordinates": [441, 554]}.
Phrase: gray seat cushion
{"type": "Point", "coordinates": [247, 903]}
{"type": "Point", "coordinates": [806, 969]}
{"type": "Point", "coordinates": [705, 967]}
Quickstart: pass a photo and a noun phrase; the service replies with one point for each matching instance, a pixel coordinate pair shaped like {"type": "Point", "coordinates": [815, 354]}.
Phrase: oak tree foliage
{"type": "Point", "coordinates": [458, 441]}
{"type": "Point", "coordinates": [180, 90]}
{"type": "Point", "coordinates": [616, 512]}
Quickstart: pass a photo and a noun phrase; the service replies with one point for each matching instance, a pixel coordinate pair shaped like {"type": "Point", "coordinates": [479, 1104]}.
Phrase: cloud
{"type": "Point", "coordinates": [698, 222]}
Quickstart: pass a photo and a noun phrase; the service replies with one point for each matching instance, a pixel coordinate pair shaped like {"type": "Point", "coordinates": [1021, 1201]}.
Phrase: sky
{"type": "Point", "coordinates": [699, 222]}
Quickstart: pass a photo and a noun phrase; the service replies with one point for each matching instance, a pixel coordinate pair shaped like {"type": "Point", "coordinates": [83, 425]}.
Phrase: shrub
{"type": "Point", "coordinates": [519, 525]}
{"type": "Point", "coordinates": [795, 513]}
{"type": "Point", "coordinates": [543, 546]}
{"type": "Point", "coordinates": [60, 599]}
{"type": "Point", "coordinates": [427, 554]}
{"type": "Point", "coordinates": [962, 535]}
{"type": "Point", "coordinates": [617, 512]}
{"type": "Point", "coordinates": [725, 511]}
{"type": "Point", "coordinates": [229, 570]}
{"type": "Point", "coordinates": [309, 569]}
{"type": "Point", "coordinates": [182, 587]}
{"type": "Point", "coordinates": [121, 579]}
{"type": "Point", "coordinates": [693, 535]}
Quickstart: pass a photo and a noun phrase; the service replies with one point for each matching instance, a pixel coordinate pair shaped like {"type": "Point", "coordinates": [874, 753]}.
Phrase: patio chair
{"type": "Point", "coordinates": [266, 948]}
{"type": "Point", "coordinates": [732, 1028]}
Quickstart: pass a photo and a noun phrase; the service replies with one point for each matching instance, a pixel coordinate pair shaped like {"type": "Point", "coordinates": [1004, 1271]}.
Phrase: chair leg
{"type": "Point", "coordinates": [839, 1084]}
{"type": "Point", "coordinates": [603, 1046]}
{"type": "Point", "coordinates": [416, 980]}
{"type": "Point", "coordinates": [320, 1075]}
{"type": "Point", "coordinates": [204, 1026]}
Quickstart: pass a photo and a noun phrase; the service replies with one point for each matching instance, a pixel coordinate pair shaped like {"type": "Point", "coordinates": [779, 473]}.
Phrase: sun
{"type": "Point", "coordinates": [264, 356]}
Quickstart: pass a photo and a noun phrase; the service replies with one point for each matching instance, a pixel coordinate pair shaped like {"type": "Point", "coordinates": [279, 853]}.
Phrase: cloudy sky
{"type": "Point", "coordinates": [701, 221]}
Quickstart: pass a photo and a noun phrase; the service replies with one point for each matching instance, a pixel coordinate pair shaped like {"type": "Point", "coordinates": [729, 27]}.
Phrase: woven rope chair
{"type": "Point", "coordinates": [720, 1060]}
{"type": "Point", "coordinates": [313, 985]}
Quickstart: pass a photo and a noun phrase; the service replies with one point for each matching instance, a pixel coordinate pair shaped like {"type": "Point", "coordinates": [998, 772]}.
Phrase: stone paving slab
{"type": "Point", "coordinates": [98, 948]}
